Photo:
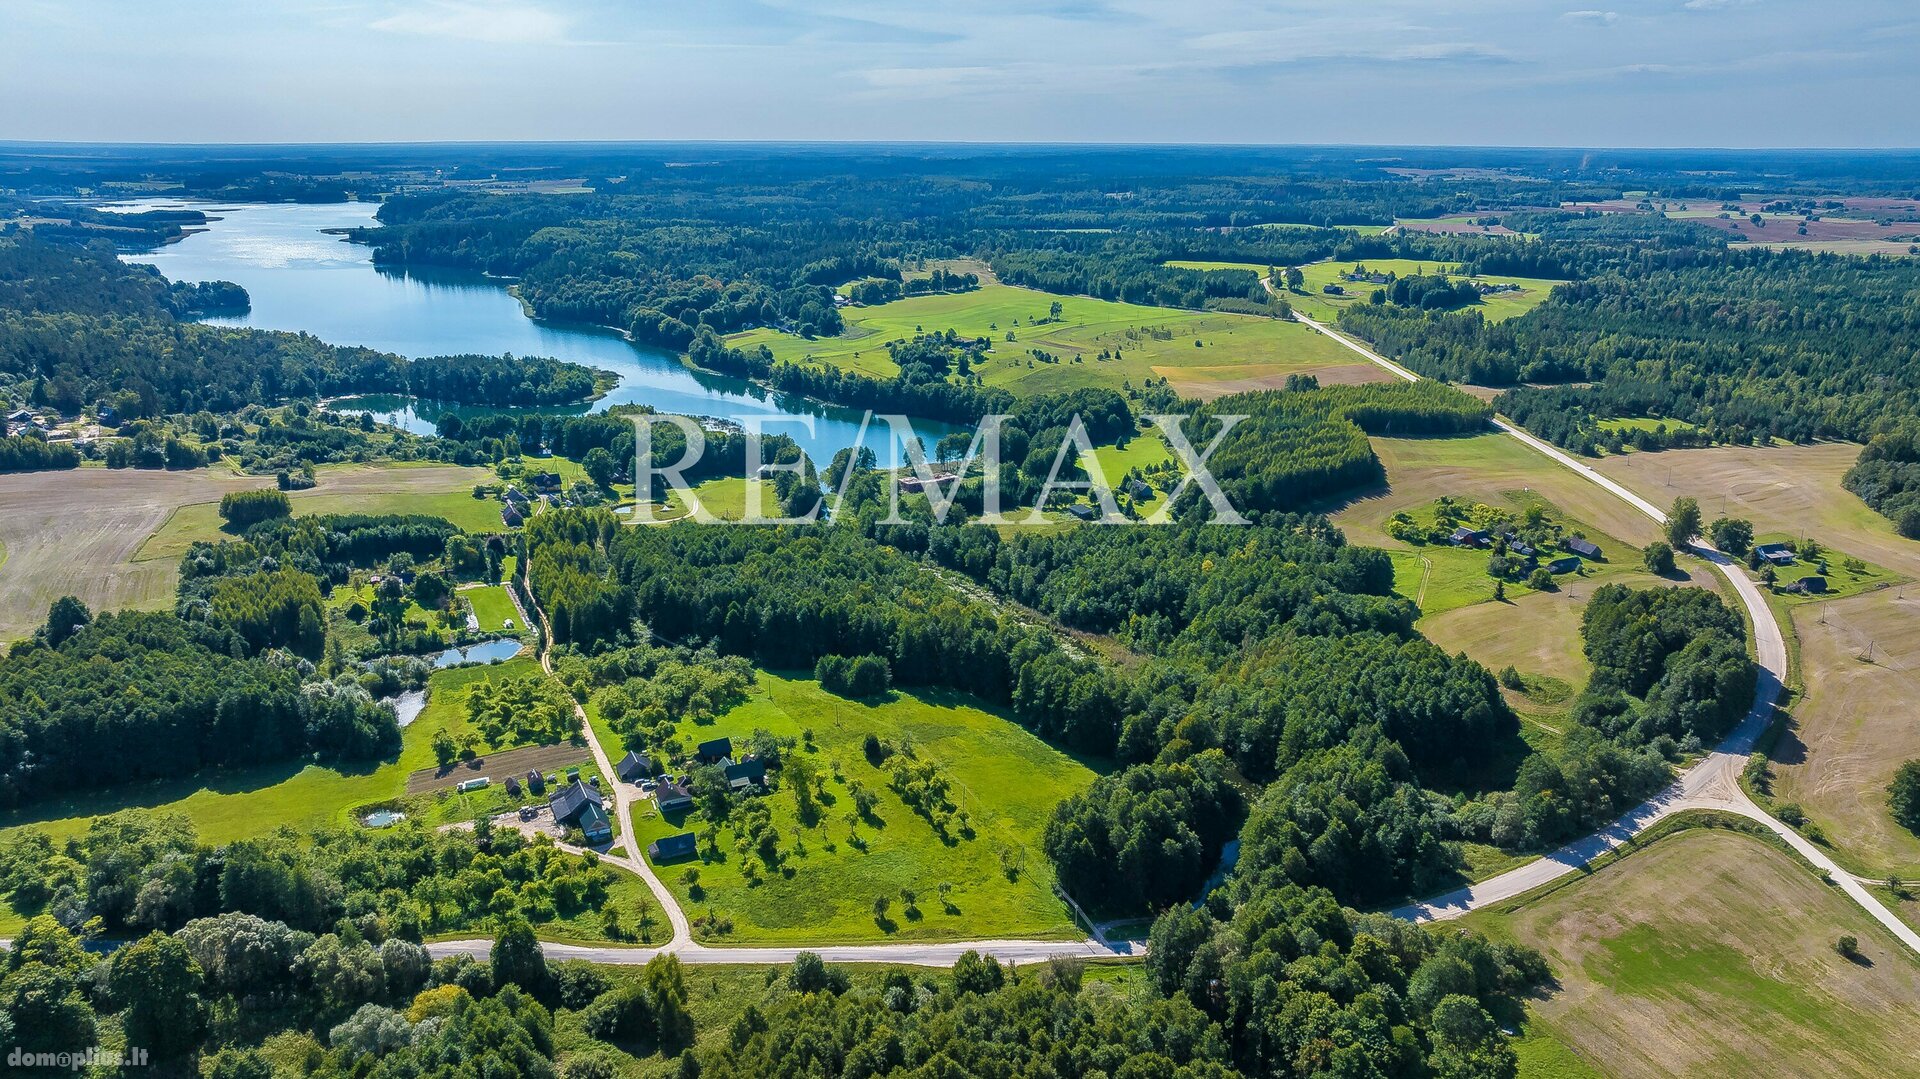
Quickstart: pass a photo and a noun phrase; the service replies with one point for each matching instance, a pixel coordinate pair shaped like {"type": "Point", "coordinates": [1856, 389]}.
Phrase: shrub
{"type": "Point", "coordinates": [1659, 558]}
{"type": "Point", "coordinates": [1903, 795]}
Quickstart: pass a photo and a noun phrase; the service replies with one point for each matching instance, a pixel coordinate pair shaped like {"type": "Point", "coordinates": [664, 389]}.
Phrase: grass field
{"type": "Point", "coordinates": [1311, 301]}
{"type": "Point", "coordinates": [233, 805]}
{"type": "Point", "coordinates": [1842, 580]}
{"type": "Point", "coordinates": [1491, 468]}
{"type": "Point", "coordinates": [1006, 779]}
{"type": "Point", "coordinates": [77, 533]}
{"type": "Point", "coordinates": [1235, 351]}
{"type": "Point", "coordinates": [435, 490]}
{"type": "Point", "coordinates": [493, 608]}
{"type": "Point", "coordinates": [1711, 953]}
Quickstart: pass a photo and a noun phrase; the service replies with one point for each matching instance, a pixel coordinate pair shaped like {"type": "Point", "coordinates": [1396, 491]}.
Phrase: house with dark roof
{"type": "Point", "coordinates": [1564, 564]}
{"type": "Point", "coordinates": [511, 517]}
{"type": "Point", "coordinates": [577, 805]}
{"type": "Point", "coordinates": [1469, 537]}
{"type": "Point", "coordinates": [748, 773]}
{"type": "Point", "coordinates": [633, 767]}
{"type": "Point", "coordinates": [714, 750]}
{"type": "Point", "coordinates": [1583, 548]}
{"type": "Point", "coordinates": [1082, 511]}
{"type": "Point", "coordinates": [1138, 490]}
{"type": "Point", "coordinates": [1810, 585]}
{"type": "Point", "coordinates": [672, 848]}
{"type": "Point", "coordinates": [1777, 553]}
{"type": "Point", "coordinates": [672, 797]}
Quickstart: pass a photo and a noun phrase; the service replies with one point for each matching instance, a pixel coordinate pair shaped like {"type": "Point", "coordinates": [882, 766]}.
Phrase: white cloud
{"type": "Point", "coordinates": [494, 22]}
{"type": "Point", "coordinates": [1715, 5]}
{"type": "Point", "coordinates": [1603, 18]}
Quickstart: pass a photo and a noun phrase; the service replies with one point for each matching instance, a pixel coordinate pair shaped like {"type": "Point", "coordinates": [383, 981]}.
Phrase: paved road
{"type": "Point", "coordinates": [1712, 783]}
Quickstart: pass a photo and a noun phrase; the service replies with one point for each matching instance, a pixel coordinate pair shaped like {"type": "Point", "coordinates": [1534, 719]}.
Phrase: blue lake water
{"type": "Point", "coordinates": [487, 652]}
{"type": "Point", "coordinates": [301, 278]}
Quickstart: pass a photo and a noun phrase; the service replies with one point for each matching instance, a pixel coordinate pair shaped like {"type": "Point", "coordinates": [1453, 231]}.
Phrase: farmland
{"type": "Point", "coordinates": [78, 533]}
{"type": "Point", "coordinates": [1311, 299]}
{"type": "Point", "coordinates": [1716, 951]}
{"type": "Point", "coordinates": [1196, 350]}
{"type": "Point", "coordinates": [830, 873]}
{"type": "Point", "coordinates": [434, 490]}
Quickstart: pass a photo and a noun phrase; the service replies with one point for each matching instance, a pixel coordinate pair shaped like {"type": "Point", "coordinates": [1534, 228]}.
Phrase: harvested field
{"type": "Point", "coordinates": [78, 533]}
{"type": "Point", "coordinates": [1208, 383]}
{"type": "Point", "coordinates": [1711, 953]}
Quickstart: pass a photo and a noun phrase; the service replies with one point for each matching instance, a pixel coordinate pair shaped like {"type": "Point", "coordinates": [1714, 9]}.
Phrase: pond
{"type": "Point", "coordinates": [304, 278]}
{"type": "Point", "coordinates": [408, 706]}
{"type": "Point", "coordinates": [486, 652]}
{"type": "Point", "coordinates": [383, 818]}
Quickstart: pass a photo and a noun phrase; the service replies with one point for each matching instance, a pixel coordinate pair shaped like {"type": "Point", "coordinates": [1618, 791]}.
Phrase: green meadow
{"type": "Point", "coordinates": [828, 874]}
{"type": "Point", "coordinates": [1194, 349]}
{"type": "Point", "coordinates": [1311, 299]}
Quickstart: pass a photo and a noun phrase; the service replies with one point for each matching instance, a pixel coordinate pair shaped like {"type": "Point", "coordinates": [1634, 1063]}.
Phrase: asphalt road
{"type": "Point", "coordinates": [1711, 783]}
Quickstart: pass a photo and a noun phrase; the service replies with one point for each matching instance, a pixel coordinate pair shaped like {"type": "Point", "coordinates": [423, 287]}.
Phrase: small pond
{"type": "Point", "coordinates": [383, 818]}
{"type": "Point", "coordinates": [485, 652]}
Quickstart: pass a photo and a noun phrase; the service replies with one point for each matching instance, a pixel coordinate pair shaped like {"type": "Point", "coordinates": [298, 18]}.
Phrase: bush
{"type": "Point", "coordinates": [244, 508]}
{"type": "Point", "coordinates": [1731, 535]}
{"type": "Point", "coordinates": [1510, 678]}
{"type": "Point", "coordinates": [1847, 945]}
{"type": "Point", "coordinates": [1659, 558]}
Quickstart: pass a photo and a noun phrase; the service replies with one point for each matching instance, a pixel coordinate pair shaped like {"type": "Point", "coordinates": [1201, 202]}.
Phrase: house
{"type": "Point", "coordinates": [1138, 490]}
{"type": "Point", "coordinates": [109, 416]}
{"type": "Point", "coordinates": [747, 773]}
{"type": "Point", "coordinates": [1521, 549]}
{"type": "Point", "coordinates": [672, 848]}
{"type": "Point", "coordinates": [580, 806]}
{"type": "Point", "coordinates": [513, 495]}
{"type": "Point", "coordinates": [1811, 585]}
{"type": "Point", "coordinates": [1082, 511]}
{"type": "Point", "coordinates": [633, 767]}
{"type": "Point", "coordinates": [714, 750]}
{"type": "Point", "coordinates": [1564, 564]}
{"type": "Point", "coordinates": [672, 797]}
{"type": "Point", "coordinates": [1777, 553]}
{"type": "Point", "coordinates": [1583, 548]}
{"type": "Point", "coordinates": [1333, 290]}
{"type": "Point", "coordinates": [1469, 537]}
{"type": "Point", "coordinates": [545, 481]}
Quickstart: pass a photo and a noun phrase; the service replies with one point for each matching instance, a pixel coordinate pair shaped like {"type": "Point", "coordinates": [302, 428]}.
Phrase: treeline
{"type": "Point", "coordinates": [1887, 477]}
{"type": "Point", "coordinates": [1747, 345]}
{"type": "Point", "coordinates": [33, 453]}
{"type": "Point", "coordinates": [68, 722]}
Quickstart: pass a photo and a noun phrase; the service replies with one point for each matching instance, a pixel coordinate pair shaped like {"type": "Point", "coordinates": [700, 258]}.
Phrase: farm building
{"type": "Point", "coordinates": [672, 797]}
{"type": "Point", "coordinates": [1583, 547]}
{"type": "Point", "coordinates": [714, 750]}
{"type": "Point", "coordinates": [1469, 537]}
{"type": "Point", "coordinates": [633, 767]}
{"type": "Point", "coordinates": [1082, 511]}
{"type": "Point", "coordinates": [672, 848]}
{"type": "Point", "coordinates": [1565, 564]}
{"type": "Point", "coordinates": [580, 806]}
{"type": "Point", "coordinates": [1812, 585]}
{"type": "Point", "coordinates": [747, 773]}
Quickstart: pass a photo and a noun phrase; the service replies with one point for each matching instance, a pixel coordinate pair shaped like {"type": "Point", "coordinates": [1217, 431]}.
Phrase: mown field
{"type": "Point", "coordinates": [1712, 953]}
{"type": "Point", "coordinates": [493, 608]}
{"type": "Point", "coordinates": [1232, 351]}
{"type": "Point", "coordinates": [430, 489]}
{"type": "Point", "coordinates": [1000, 883]}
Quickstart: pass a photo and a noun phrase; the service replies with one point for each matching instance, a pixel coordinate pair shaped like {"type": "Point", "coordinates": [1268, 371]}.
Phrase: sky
{"type": "Point", "coordinates": [1426, 72]}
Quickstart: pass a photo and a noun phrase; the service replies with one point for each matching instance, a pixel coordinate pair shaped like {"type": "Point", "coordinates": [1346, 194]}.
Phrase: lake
{"type": "Point", "coordinates": [302, 279]}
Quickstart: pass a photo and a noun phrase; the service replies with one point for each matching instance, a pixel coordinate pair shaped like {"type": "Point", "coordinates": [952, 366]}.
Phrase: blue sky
{"type": "Point", "coordinates": [1514, 72]}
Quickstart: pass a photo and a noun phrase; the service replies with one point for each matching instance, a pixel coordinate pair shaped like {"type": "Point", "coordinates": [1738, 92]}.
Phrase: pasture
{"type": "Point", "coordinates": [1715, 950]}
{"type": "Point", "coordinates": [829, 872]}
{"type": "Point", "coordinates": [1312, 301]}
{"type": "Point", "coordinates": [1194, 350]}
{"type": "Point", "coordinates": [493, 608]}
